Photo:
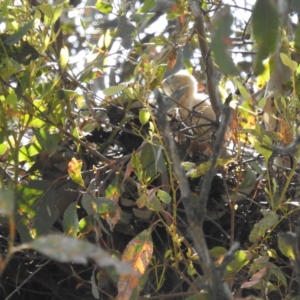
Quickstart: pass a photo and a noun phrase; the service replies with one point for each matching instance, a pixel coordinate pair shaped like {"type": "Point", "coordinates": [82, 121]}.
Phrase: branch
{"type": "Point", "coordinates": [205, 52]}
{"type": "Point", "coordinates": [213, 276]}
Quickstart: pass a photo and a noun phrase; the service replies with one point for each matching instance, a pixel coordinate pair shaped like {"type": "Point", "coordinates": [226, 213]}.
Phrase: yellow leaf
{"type": "Point", "coordinates": [74, 170]}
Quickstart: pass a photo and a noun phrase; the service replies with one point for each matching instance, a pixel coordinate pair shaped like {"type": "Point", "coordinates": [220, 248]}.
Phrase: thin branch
{"type": "Point", "coordinates": [205, 52]}
{"type": "Point", "coordinates": [195, 210]}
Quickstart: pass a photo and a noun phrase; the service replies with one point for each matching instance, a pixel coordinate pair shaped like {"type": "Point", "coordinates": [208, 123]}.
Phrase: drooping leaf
{"type": "Point", "coordinates": [18, 35]}
{"type": "Point", "coordinates": [95, 290]}
{"type": "Point", "coordinates": [265, 22]}
{"type": "Point", "coordinates": [74, 170]}
{"type": "Point", "coordinates": [137, 166]}
{"type": "Point", "coordinates": [255, 279]}
{"type": "Point", "coordinates": [35, 203]}
{"type": "Point", "coordinates": [287, 61]}
{"type": "Point", "coordinates": [66, 250]}
{"type": "Point", "coordinates": [286, 244]}
{"type": "Point", "coordinates": [270, 219]}
{"type": "Point", "coordinates": [70, 220]}
{"type": "Point", "coordinates": [221, 41]}
{"type": "Point", "coordinates": [64, 57]}
{"type": "Point", "coordinates": [137, 254]}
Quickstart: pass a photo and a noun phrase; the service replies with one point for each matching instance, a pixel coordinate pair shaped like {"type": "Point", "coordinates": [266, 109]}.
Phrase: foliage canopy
{"type": "Point", "coordinates": [105, 193]}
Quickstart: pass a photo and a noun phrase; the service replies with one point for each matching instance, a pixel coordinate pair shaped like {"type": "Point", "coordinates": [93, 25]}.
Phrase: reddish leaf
{"type": "Point", "coordinates": [256, 278]}
{"type": "Point", "coordinates": [137, 254]}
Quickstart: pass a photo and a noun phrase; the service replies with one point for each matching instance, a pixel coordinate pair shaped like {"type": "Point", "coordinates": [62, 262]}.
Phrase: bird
{"type": "Point", "coordinates": [193, 109]}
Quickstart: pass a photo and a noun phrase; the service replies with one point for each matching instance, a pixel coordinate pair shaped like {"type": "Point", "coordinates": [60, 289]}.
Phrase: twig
{"type": "Point", "coordinates": [29, 277]}
{"type": "Point", "coordinates": [210, 70]}
{"type": "Point", "coordinates": [195, 211]}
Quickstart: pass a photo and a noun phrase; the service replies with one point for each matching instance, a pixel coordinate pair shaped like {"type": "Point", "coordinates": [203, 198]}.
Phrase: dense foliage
{"type": "Point", "coordinates": [105, 192]}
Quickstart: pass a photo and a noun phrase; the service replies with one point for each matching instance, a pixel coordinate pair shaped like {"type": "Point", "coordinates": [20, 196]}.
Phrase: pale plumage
{"type": "Point", "coordinates": [190, 101]}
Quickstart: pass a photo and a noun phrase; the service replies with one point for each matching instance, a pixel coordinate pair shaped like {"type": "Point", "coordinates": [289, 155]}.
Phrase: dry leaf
{"type": "Point", "coordinates": [285, 131]}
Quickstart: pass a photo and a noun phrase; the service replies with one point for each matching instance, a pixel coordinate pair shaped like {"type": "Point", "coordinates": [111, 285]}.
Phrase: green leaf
{"type": "Point", "coordinates": [112, 90]}
{"type": "Point", "coordinates": [12, 99]}
{"type": "Point", "coordinates": [114, 189]}
{"type": "Point", "coordinates": [64, 57]}
{"type": "Point", "coordinates": [221, 40]}
{"type": "Point", "coordinates": [3, 11]}
{"type": "Point", "coordinates": [265, 22]}
{"type": "Point", "coordinates": [297, 39]}
{"type": "Point", "coordinates": [276, 271]}
{"type": "Point", "coordinates": [51, 12]}
{"type": "Point", "coordinates": [286, 244]}
{"type": "Point", "coordinates": [35, 202]}
{"type": "Point", "coordinates": [241, 259]}
{"type": "Point", "coordinates": [49, 142]}
{"type": "Point", "coordinates": [74, 170]}
{"type": "Point", "coordinates": [47, 10]}
{"type": "Point", "coordinates": [148, 4]}
{"type": "Point", "coordinates": [200, 170]}
{"type": "Point", "coordinates": [243, 91]}
{"type": "Point", "coordinates": [105, 8]}
{"type": "Point", "coordinates": [3, 148]}
{"type": "Point", "coordinates": [106, 208]}
{"type": "Point", "coordinates": [86, 224]}
{"type": "Point", "coordinates": [287, 61]}
{"type": "Point", "coordinates": [144, 116]}
{"type": "Point", "coordinates": [270, 219]}
{"type": "Point", "coordinates": [137, 166]}
{"type": "Point", "coordinates": [70, 220]}
{"type": "Point", "coordinates": [264, 147]}
{"type": "Point", "coordinates": [17, 36]}
{"type": "Point", "coordinates": [163, 196]}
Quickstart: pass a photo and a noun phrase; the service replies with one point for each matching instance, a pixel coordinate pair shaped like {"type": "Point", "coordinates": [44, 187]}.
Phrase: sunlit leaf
{"type": "Point", "coordinates": [86, 224]}
{"type": "Point", "coordinates": [17, 36]}
{"type": "Point", "coordinates": [200, 170]}
{"type": "Point", "coordinates": [144, 116]}
{"type": "Point", "coordinates": [112, 90]}
{"type": "Point", "coordinates": [137, 166]}
{"type": "Point", "coordinates": [64, 57]}
{"type": "Point", "coordinates": [286, 243]}
{"type": "Point", "coordinates": [148, 4]}
{"type": "Point", "coordinates": [74, 170]}
{"type": "Point", "coordinates": [137, 254]}
{"type": "Point", "coordinates": [103, 7]}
